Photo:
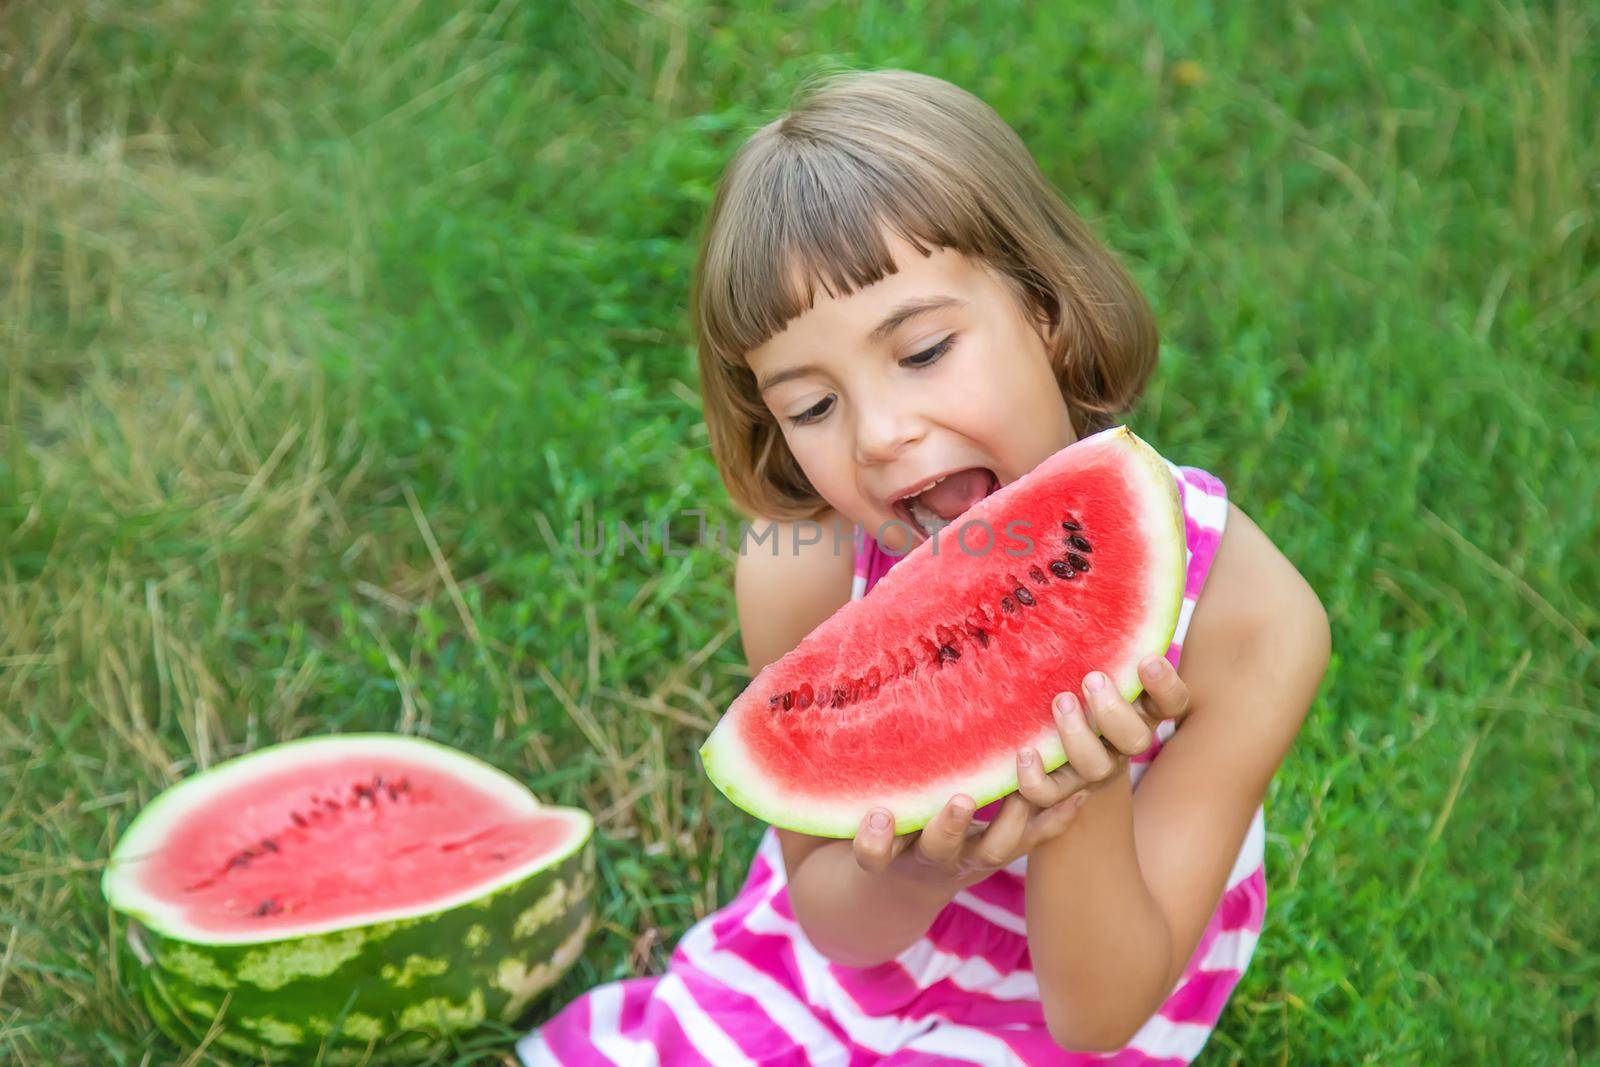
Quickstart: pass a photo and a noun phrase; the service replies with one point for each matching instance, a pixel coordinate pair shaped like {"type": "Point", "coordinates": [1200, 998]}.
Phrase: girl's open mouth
{"type": "Point", "coordinates": [944, 499]}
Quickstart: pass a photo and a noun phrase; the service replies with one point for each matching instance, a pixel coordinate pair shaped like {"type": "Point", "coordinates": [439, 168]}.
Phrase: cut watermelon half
{"type": "Point", "coordinates": [929, 685]}
{"type": "Point", "coordinates": [343, 891]}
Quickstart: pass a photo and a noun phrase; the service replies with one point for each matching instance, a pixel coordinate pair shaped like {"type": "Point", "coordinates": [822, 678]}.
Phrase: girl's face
{"type": "Point", "coordinates": [936, 371]}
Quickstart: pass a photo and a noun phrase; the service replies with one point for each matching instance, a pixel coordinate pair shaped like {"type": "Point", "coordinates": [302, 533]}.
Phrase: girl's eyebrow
{"type": "Point", "coordinates": [782, 376]}
{"type": "Point", "coordinates": [906, 311]}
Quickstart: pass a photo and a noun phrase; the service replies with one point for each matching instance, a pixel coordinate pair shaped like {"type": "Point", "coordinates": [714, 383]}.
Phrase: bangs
{"type": "Point", "coordinates": [815, 215]}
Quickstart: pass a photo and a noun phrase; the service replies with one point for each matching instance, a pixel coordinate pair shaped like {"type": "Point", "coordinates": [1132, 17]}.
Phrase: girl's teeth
{"type": "Point", "coordinates": [928, 520]}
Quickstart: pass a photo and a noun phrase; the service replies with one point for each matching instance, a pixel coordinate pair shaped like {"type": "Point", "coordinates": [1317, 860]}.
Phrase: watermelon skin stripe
{"type": "Point", "coordinates": [731, 768]}
{"type": "Point", "coordinates": [408, 983]}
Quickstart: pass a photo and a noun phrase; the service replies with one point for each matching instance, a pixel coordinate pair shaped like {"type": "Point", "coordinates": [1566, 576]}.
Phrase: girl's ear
{"type": "Point", "coordinates": [1048, 332]}
{"type": "Point", "coordinates": [1046, 322]}
{"type": "Point", "coordinates": [1041, 326]}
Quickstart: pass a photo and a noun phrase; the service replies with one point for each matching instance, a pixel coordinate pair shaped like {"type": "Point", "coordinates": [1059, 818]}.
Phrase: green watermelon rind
{"type": "Point", "coordinates": [720, 753]}
{"type": "Point", "coordinates": [410, 980]}
{"type": "Point", "coordinates": [404, 986]}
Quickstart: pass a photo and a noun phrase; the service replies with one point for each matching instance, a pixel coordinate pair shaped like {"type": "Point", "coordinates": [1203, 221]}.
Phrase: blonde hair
{"type": "Point", "coordinates": [806, 199]}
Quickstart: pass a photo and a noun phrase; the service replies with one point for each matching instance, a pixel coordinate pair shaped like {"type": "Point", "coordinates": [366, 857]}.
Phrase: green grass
{"type": "Point", "coordinates": [290, 288]}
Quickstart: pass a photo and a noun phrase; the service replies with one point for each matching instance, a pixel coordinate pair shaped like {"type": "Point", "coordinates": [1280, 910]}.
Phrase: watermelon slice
{"type": "Point", "coordinates": [929, 685]}
{"type": "Point", "coordinates": [347, 892]}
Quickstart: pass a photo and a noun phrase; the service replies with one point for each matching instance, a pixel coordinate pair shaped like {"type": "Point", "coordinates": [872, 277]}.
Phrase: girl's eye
{"type": "Point", "coordinates": [930, 355]}
{"type": "Point", "coordinates": [814, 412]}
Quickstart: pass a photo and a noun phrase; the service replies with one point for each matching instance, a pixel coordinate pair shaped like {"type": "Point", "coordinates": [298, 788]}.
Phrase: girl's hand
{"type": "Point", "coordinates": [1124, 730]}
{"type": "Point", "coordinates": [951, 852]}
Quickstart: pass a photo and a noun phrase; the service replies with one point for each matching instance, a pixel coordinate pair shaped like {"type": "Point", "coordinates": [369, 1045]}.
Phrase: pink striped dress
{"type": "Point", "coordinates": [745, 986]}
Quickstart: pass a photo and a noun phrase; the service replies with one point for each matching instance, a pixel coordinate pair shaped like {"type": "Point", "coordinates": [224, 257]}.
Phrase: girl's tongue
{"type": "Point", "coordinates": [947, 500]}
{"type": "Point", "coordinates": [956, 493]}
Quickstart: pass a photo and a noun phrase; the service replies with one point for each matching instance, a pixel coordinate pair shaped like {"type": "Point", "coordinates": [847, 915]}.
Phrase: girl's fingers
{"type": "Point", "coordinates": [1068, 781]}
{"type": "Point", "coordinates": [1116, 719]}
{"type": "Point", "coordinates": [1041, 789]}
{"type": "Point", "coordinates": [998, 845]}
{"type": "Point", "coordinates": [1085, 751]}
{"type": "Point", "coordinates": [1168, 693]}
{"type": "Point", "coordinates": [1037, 787]}
{"type": "Point", "coordinates": [874, 841]}
{"type": "Point", "coordinates": [943, 838]}
{"type": "Point", "coordinates": [1053, 820]}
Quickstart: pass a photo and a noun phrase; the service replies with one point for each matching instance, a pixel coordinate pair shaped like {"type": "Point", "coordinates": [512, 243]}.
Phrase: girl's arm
{"type": "Point", "coordinates": [854, 918]}
{"type": "Point", "coordinates": [1117, 903]}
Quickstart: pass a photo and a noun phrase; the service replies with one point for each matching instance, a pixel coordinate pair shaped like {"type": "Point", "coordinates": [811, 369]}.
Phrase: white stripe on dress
{"type": "Point", "coordinates": [1251, 852]}
{"type": "Point", "coordinates": [534, 1052]}
{"type": "Point", "coordinates": [962, 1042]}
{"type": "Point", "coordinates": [1230, 949]}
{"type": "Point", "coordinates": [1002, 917]}
{"type": "Point", "coordinates": [1208, 510]}
{"type": "Point", "coordinates": [605, 1030]}
{"type": "Point", "coordinates": [781, 1006]}
{"type": "Point", "coordinates": [706, 1036]}
{"type": "Point", "coordinates": [879, 1033]}
{"type": "Point", "coordinates": [1185, 613]}
{"type": "Point", "coordinates": [1161, 1037]}
{"type": "Point", "coordinates": [928, 965]}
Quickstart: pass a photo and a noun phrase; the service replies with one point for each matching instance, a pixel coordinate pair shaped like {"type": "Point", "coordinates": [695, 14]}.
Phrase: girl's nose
{"type": "Point", "coordinates": [883, 432]}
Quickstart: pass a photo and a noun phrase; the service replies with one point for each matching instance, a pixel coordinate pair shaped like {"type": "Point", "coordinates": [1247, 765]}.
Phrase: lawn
{"type": "Point", "coordinates": [292, 293]}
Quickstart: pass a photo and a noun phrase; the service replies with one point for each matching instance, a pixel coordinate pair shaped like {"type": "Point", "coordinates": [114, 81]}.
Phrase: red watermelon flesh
{"type": "Point", "coordinates": [929, 685]}
{"type": "Point", "coordinates": [336, 837]}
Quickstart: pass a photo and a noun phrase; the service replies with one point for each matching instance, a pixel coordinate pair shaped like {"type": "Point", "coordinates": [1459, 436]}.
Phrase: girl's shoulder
{"type": "Point", "coordinates": [1242, 590]}
{"type": "Point", "coordinates": [788, 578]}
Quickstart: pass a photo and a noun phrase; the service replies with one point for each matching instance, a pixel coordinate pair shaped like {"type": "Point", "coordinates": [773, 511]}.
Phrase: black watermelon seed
{"type": "Point", "coordinates": [983, 638]}
{"type": "Point", "coordinates": [1079, 543]}
{"type": "Point", "coordinates": [1024, 596]}
{"type": "Point", "coordinates": [1007, 604]}
{"type": "Point", "coordinates": [1037, 575]}
{"type": "Point", "coordinates": [948, 652]}
{"type": "Point", "coordinates": [1077, 561]}
{"type": "Point", "coordinates": [1060, 569]}
{"type": "Point", "coordinates": [1070, 526]}
{"type": "Point", "coordinates": [270, 906]}
{"type": "Point", "coordinates": [787, 700]}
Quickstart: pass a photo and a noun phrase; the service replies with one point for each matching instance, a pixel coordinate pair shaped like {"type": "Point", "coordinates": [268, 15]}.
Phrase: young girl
{"type": "Point", "coordinates": [896, 313]}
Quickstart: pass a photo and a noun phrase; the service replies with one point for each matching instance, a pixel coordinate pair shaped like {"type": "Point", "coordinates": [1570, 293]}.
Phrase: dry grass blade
{"type": "Point", "coordinates": [467, 621]}
{"type": "Point", "coordinates": [1493, 566]}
